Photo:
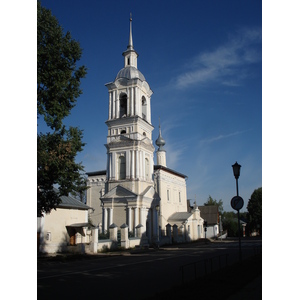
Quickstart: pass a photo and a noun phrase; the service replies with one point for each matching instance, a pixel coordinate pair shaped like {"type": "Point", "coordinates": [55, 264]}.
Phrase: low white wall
{"type": "Point", "coordinates": [104, 244]}
{"type": "Point", "coordinates": [133, 242]}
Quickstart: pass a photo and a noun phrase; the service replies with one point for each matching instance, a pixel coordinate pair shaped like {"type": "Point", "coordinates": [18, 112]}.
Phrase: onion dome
{"type": "Point", "coordinates": [160, 142]}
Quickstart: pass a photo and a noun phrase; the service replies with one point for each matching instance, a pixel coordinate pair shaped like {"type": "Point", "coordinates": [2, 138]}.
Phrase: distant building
{"type": "Point", "coordinates": [210, 214]}
{"type": "Point", "coordinates": [132, 190]}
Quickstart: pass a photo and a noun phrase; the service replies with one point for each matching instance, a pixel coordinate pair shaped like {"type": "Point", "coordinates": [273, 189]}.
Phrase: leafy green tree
{"type": "Point", "coordinates": [230, 223]}
{"type": "Point", "coordinates": [211, 201]}
{"type": "Point", "coordinates": [254, 208]}
{"type": "Point", "coordinates": [58, 87]}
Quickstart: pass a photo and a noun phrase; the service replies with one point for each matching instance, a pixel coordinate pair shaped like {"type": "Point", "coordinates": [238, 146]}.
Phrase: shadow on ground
{"type": "Point", "coordinates": [222, 284]}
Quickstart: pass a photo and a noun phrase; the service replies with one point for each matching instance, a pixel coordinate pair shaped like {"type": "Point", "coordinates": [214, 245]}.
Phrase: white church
{"type": "Point", "coordinates": [132, 190]}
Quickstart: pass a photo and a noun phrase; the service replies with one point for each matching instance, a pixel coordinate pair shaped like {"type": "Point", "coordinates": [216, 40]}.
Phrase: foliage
{"type": "Point", "coordinates": [254, 208]}
{"type": "Point", "coordinates": [230, 223]}
{"type": "Point", "coordinates": [210, 201]}
{"type": "Point", "coordinates": [103, 236]}
{"type": "Point", "coordinates": [58, 81]}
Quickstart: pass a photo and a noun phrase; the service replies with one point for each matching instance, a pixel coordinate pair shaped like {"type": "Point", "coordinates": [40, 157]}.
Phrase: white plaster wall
{"type": "Point", "coordinates": [55, 228]}
{"type": "Point", "coordinates": [96, 186]}
{"type": "Point", "coordinates": [174, 184]}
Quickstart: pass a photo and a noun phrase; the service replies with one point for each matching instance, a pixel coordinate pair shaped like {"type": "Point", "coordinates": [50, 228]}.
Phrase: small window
{"type": "Point", "coordinates": [168, 195]}
{"type": "Point", "coordinates": [179, 197]}
{"type": "Point", "coordinates": [128, 61]}
{"type": "Point", "coordinates": [122, 168]}
{"type": "Point", "coordinates": [123, 131]}
{"type": "Point", "coordinates": [123, 105]}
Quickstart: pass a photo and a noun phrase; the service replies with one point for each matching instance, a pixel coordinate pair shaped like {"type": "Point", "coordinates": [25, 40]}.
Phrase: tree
{"type": "Point", "coordinates": [211, 201]}
{"type": "Point", "coordinates": [58, 87]}
{"type": "Point", "coordinates": [230, 223]}
{"type": "Point", "coordinates": [254, 208]}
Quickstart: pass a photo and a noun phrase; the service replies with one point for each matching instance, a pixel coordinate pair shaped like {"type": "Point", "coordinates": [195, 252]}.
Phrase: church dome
{"type": "Point", "coordinates": [130, 72]}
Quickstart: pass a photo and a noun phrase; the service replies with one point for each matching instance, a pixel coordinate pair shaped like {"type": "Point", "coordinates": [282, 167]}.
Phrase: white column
{"type": "Point", "coordinates": [128, 101]}
{"type": "Point", "coordinates": [108, 166]}
{"type": "Point", "coordinates": [113, 166]}
{"type": "Point", "coordinates": [110, 106]}
{"type": "Point", "coordinates": [110, 216]}
{"type": "Point", "coordinates": [137, 164]}
{"type": "Point", "coordinates": [128, 163]}
{"type": "Point", "coordinates": [132, 164]}
{"type": "Point", "coordinates": [117, 106]}
{"type": "Point", "coordinates": [151, 166]}
{"type": "Point", "coordinates": [113, 104]}
{"type": "Point", "coordinates": [136, 217]}
{"type": "Point", "coordinates": [149, 111]}
{"type": "Point", "coordinates": [104, 214]}
{"type": "Point", "coordinates": [135, 101]}
{"type": "Point", "coordinates": [155, 221]}
{"type": "Point", "coordinates": [129, 221]}
{"type": "Point", "coordinates": [138, 104]}
{"type": "Point", "coordinates": [143, 218]}
{"type": "Point", "coordinates": [143, 165]}
{"type": "Point", "coordinates": [131, 101]}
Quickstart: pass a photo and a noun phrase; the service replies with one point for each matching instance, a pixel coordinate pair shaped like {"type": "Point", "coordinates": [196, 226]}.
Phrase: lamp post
{"type": "Point", "coordinates": [221, 229]}
{"type": "Point", "coordinates": [237, 202]}
{"type": "Point", "coordinates": [157, 210]}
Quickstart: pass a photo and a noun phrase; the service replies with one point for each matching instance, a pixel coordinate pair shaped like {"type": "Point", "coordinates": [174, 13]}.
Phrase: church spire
{"type": "Point", "coordinates": [130, 54]}
{"type": "Point", "coordinates": [130, 43]}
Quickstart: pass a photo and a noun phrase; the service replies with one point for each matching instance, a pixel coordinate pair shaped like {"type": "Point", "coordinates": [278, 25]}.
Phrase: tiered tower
{"type": "Point", "coordinates": [129, 140]}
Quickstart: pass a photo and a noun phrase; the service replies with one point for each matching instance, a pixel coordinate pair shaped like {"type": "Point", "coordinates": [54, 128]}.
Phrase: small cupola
{"type": "Point", "coordinates": [161, 152]}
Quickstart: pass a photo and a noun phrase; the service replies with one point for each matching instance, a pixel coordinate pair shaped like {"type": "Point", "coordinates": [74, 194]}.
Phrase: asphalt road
{"type": "Point", "coordinates": [135, 275]}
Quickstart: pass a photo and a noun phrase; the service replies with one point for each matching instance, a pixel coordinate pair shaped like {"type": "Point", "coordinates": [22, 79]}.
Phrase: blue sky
{"type": "Point", "coordinates": [203, 61]}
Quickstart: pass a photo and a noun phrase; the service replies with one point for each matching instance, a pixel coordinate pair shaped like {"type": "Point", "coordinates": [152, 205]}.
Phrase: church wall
{"type": "Point", "coordinates": [119, 217]}
{"type": "Point", "coordinates": [96, 186]}
{"type": "Point", "coordinates": [169, 188]}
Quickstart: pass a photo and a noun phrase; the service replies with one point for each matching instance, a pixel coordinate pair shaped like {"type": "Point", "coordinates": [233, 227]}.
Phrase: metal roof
{"type": "Point", "coordinates": [102, 172]}
{"type": "Point", "coordinates": [71, 202]}
{"type": "Point", "coordinates": [160, 167]}
{"type": "Point", "coordinates": [209, 213]}
{"type": "Point", "coordinates": [179, 217]}
{"type": "Point", "coordinates": [130, 72]}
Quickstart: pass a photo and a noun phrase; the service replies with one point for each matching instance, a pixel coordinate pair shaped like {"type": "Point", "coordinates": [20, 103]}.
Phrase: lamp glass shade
{"type": "Point", "coordinates": [157, 207]}
{"type": "Point", "coordinates": [236, 170]}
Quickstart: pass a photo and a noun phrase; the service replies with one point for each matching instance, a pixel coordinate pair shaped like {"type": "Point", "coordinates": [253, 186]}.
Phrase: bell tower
{"type": "Point", "coordinates": [129, 139]}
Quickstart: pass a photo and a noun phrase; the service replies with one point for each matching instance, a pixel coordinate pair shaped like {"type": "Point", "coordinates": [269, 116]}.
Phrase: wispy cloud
{"type": "Point", "coordinates": [225, 64]}
{"type": "Point", "coordinates": [219, 137]}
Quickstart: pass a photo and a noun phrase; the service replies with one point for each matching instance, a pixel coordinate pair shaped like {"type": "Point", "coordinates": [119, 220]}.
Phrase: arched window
{"type": "Point", "coordinates": [144, 108]}
{"type": "Point", "coordinates": [123, 105]}
{"type": "Point", "coordinates": [122, 167]}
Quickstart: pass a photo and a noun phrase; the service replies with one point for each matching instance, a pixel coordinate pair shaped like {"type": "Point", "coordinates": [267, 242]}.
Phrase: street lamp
{"type": "Point", "coordinates": [237, 202]}
{"type": "Point", "coordinates": [236, 172]}
{"type": "Point", "coordinates": [157, 210]}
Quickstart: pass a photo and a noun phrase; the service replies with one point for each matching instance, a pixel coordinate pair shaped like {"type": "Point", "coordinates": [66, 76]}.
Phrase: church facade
{"type": "Point", "coordinates": [132, 190]}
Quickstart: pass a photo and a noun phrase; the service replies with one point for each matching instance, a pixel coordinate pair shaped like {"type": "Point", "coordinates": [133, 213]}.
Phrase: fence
{"type": "Point", "coordinates": [209, 265]}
